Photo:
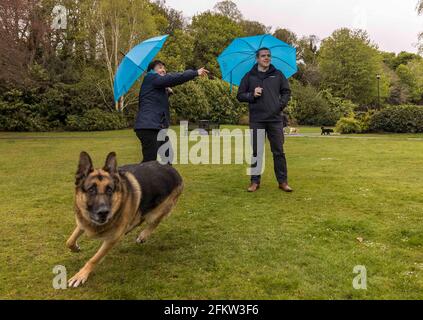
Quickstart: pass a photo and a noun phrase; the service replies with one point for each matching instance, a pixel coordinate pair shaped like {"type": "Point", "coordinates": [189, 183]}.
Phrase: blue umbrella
{"type": "Point", "coordinates": [240, 56]}
{"type": "Point", "coordinates": [135, 63]}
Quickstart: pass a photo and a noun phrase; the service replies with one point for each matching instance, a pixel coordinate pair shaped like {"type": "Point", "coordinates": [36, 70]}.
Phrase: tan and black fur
{"type": "Point", "coordinates": [110, 202]}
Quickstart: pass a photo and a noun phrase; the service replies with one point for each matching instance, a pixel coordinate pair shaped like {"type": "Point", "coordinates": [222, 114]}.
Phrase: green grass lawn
{"type": "Point", "coordinates": [221, 242]}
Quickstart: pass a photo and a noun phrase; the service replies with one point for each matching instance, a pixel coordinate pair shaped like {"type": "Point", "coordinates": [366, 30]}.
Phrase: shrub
{"type": "Point", "coordinates": [308, 107]}
{"type": "Point", "coordinates": [16, 115]}
{"type": "Point", "coordinates": [223, 104]}
{"type": "Point", "coordinates": [338, 107]}
{"type": "Point", "coordinates": [244, 120]}
{"type": "Point", "coordinates": [400, 119]}
{"type": "Point", "coordinates": [348, 125]}
{"type": "Point", "coordinates": [364, 119]}
{"type": "Point", "coordinates": [96, 120]}
{"type": "Point", "coordinates": [46, 107]}
{"type": "Point", "coordinates": [206, 99]}
{"type": "Point", "coordinates": [189, 103]}
{"type": "Point", "coordinates": [53, 104]}
{"type": "Point", "coordinates": [90, 92]}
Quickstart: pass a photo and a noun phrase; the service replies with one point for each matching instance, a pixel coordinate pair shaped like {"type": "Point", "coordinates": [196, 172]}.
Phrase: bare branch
{"type": "Point", "coordinates": [419, 7]}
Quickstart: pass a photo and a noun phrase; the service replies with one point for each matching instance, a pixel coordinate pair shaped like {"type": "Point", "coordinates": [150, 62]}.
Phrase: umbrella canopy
{"type": "Point", "coordinates": [135, 63]}
{"type": "Point", "coordinates": [240, 56]}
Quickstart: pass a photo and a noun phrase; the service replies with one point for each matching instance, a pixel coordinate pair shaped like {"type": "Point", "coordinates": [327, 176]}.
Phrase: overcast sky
{"type": "Point", "coordinates": [392, 24]}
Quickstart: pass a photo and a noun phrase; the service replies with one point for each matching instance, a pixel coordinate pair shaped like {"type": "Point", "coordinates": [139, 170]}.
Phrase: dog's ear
{"type": "Point", "coordinates": [111, 163]}
{"type": "Point", "coordinates": [85, 166]}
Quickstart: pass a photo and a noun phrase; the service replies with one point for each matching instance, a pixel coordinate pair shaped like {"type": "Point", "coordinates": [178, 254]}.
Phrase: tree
{"type": "Point", "coordinates": [403, 58]}
{"type": "Point", "coordinates": [212, 32]}
{"type": "Point", "coordinates": [397, 93]}
{"type": "Point", "coordinates": [416, 68]}
{"type": "Point", "coordinates": [389, 59]}
{"type": "Point", "coordinates": [410, 78]}
{"type": "Point", "coordinates": [307, 49]}
{"type": "Point", "coordinates": [420, 11]}
{"type": "Point", "coordinates": [409, 82]}
{"type": "Point", "coordinates": [286, 35]}
{"type": "Point", "coordinates": [23, 38]}
{"type": "Point", "coordinates": [13, 56]}
{"type": "Point", "coordinates": [121, 24]}
{"type": "Point", "coordinates": [73, 47]}
{"type": "Point", "coordinates": [406, 77]}
{"type": "Point", "coordinates": [168, 20]}
{"type": "Point", "coordinates": [307, 52]}
{"type": "Point", "coordinates": [228, 9]}
{"type": "Point", "coordinates": [349, 64]}
{"type": "Point", "coordinates": [178, 52]}
{"type": "Point", "coordinates": [253, 28]}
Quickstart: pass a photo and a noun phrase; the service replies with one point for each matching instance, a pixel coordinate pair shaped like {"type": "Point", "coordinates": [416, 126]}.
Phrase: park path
{"type": "Point", "coordinates": [302, 135]}
{"type": "Point", "coordinates": [365, 137]}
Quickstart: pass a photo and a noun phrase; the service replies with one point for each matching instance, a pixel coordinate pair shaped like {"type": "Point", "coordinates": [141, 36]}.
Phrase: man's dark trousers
{"type": "Point", "coordinates": [150, 145]}
{"type": "Point", "coordinates": [275, 135]}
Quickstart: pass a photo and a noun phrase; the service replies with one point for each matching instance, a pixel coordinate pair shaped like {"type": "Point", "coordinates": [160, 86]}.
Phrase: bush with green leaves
{"type": "Point", "coordinates": [16, 114]}
{"type": "Point", "coordinates": [206, 99]}
{"type": "Point", "coordinates": [338, 107]}
{"type": "Point", "coordinates": [308, 106]}
{"type": "Point", "coordinates": [46, 106]}
{"type": "Point", "coordinates": [96, 120]}
{"type": "Point", "coordinates": [189, 102]}
{"type": "Point", "coordinates": [400, 119]}
{"type": "Point", "coordinates": [348, 125]}
{"type": "Point", "coordinates": [19, 116]}
{"type": "Point", "coordinates": [223, 104]}
{"type": "Point", "coordinates": [364, 119]}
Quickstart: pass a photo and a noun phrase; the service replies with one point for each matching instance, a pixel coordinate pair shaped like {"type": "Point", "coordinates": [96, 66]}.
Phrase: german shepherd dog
{"type": "Point", "coordinates": [110, 202]}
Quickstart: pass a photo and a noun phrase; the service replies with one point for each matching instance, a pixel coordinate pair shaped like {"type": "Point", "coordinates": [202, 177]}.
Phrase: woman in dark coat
{"type": "Point", "coordinates": [153, 113]}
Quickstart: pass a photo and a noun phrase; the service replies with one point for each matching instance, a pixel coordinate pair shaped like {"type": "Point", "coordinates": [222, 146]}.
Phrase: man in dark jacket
{"type": "Point", "coordinates": [153, 113]}
{"type": "Point", "coordinates": [267, 91]}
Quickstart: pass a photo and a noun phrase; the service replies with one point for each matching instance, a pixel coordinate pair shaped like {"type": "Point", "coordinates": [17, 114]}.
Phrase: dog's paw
{"type": "Point", "coordinates": [79, 279]}
{"type": "Point", "coordinates": [74, 247]}
{"type": "Point", "coordinates": [140, 240]}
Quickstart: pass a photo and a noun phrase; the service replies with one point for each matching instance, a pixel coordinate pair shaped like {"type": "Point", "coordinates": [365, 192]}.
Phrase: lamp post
{"type": "Point", "coordinates": [378, 90]}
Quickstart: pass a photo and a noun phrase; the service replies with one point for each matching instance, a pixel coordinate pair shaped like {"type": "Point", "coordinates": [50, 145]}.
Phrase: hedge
{"type": "Point", "coordinates": [309, 106]}
{"type": "Point", "coordinates": [96, 120]}
{"type": "Point", "coordinates": [206, 99]}
{"type": "Point", "coordinates": [348, 125]}
{"type": "Point", "coordinates": [399, 119]}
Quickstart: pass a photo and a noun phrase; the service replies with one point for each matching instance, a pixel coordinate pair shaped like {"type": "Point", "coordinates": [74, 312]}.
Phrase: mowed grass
{"type": "Point", "coordinates": [221, 242]}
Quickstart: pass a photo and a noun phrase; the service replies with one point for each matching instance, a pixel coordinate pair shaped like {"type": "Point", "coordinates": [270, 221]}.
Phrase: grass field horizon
{"type": "Point", "coordinates": [222, 242]}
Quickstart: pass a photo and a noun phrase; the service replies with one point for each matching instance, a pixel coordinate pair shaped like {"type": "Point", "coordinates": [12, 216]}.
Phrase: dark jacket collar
{"type": "Point", "coordinates": [254, 70]}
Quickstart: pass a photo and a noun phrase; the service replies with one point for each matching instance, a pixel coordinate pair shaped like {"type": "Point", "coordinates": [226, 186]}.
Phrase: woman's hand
{"type": "Point", "coordinates": [203, 72]}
